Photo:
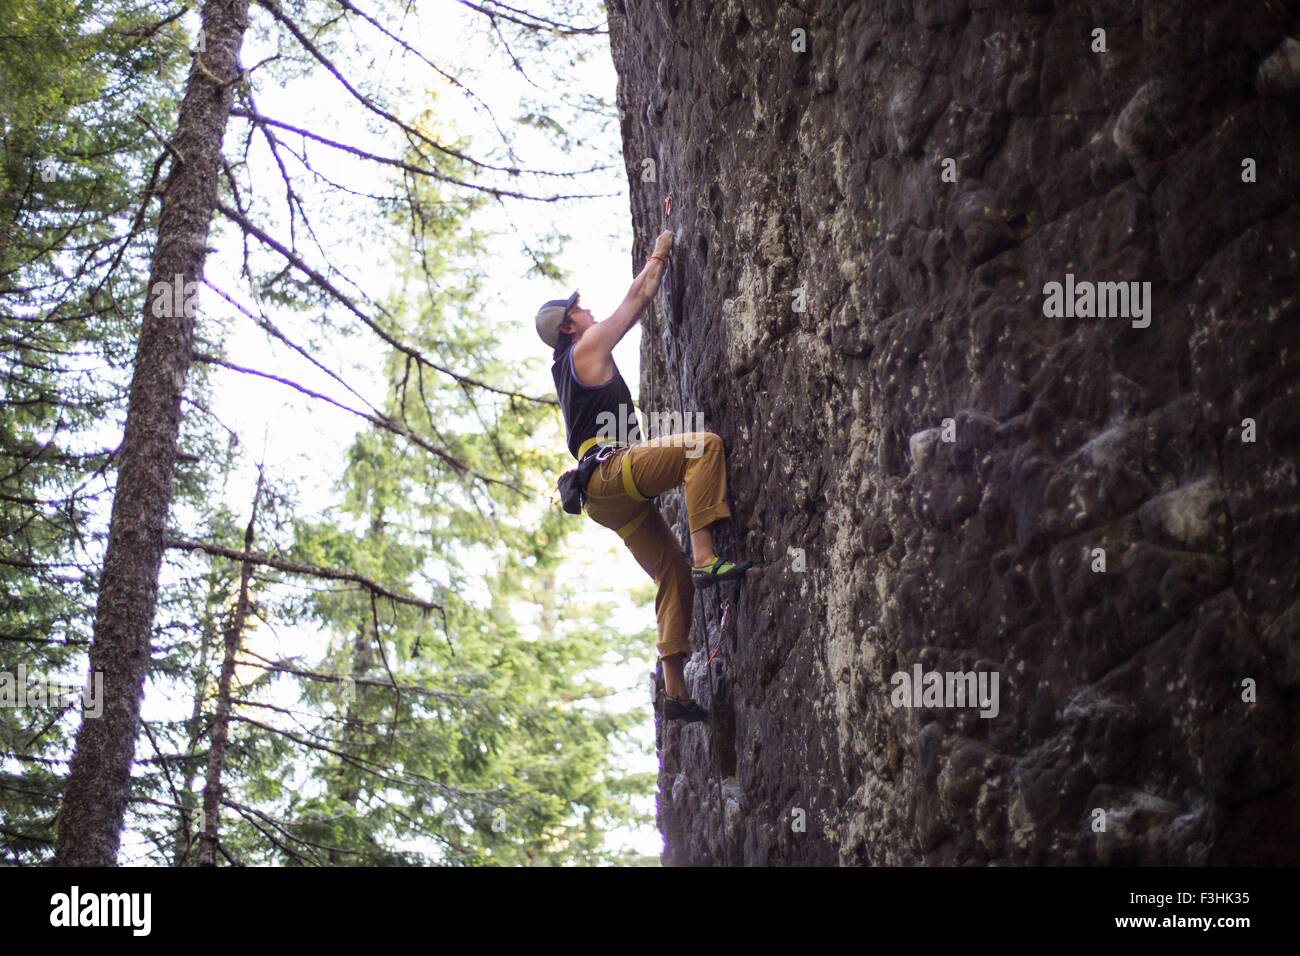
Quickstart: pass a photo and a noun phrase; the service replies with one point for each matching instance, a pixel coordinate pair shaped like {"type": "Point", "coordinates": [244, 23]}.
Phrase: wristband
{"type": "Point", "coordinates": [660, 258]}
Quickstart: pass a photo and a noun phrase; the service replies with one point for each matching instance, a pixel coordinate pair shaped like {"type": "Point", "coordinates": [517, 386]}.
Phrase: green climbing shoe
{"type": "Point", "coordinates": [687, 710]}
{"type": "Point", "coordinates": [717, 570]}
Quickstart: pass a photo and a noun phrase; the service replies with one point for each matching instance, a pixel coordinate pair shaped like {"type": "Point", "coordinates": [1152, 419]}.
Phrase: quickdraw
{"type": "Point", "coordinates": [726, 611]}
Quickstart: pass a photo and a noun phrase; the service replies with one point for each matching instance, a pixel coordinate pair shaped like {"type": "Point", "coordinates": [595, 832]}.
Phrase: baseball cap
{"type": "Point", "coordinates": [550, 315]}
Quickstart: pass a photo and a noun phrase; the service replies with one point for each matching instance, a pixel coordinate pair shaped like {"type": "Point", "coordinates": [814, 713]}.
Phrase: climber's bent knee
{"type": "Point", "coordinates": [702, 443]}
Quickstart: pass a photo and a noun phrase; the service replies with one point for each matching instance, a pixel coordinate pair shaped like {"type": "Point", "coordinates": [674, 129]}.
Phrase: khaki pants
{"type": "Point", "coordinates": [617, 496]}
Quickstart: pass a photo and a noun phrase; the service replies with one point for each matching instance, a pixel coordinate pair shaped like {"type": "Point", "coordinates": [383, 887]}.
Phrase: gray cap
{"type": "Point", "coordinates": [549, 317]}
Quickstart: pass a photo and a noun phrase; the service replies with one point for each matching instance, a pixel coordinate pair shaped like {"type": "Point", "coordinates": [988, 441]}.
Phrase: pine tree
{"type": "Point", "coordinates": [443, 727]}
{"type": "Point", "coordinates": [81, 87]}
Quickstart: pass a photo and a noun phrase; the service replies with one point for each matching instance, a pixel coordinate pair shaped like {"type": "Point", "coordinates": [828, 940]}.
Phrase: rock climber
{"type": "Point", "coordinates": [623, 474]}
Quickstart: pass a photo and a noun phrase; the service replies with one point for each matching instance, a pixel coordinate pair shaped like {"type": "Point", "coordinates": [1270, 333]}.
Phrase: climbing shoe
{"type": "Point", "coordinates": [687, 710]}
{"type": "Point", "coordinates": [718, 570]}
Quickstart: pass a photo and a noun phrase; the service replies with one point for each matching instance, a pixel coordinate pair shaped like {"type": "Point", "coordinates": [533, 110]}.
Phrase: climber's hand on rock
{"type": "Point", "coordinates": [664, 244]}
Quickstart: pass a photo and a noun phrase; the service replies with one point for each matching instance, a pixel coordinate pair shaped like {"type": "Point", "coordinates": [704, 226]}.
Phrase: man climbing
{"type": "Point", "coordinates": [626, 474]}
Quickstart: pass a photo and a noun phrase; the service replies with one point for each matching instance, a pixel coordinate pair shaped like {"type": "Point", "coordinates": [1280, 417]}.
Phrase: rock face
{"type": "Point", "coordinates": [1092, 500]}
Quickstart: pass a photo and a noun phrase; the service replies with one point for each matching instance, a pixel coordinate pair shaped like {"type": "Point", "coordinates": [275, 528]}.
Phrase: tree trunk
{"type": "Point", "coordinates": [352, 731]}
{"type": "Point", "coordinates": [363, 655]}
{"type": "Point", "coordinates": [94, 805]}
{"type": "Point", "coordinates": [212, 790]}
{"type": "Point", "coordinates": [194, 733]}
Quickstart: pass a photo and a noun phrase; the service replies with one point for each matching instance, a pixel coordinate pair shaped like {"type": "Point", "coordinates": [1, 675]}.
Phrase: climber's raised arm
{"type": "Point", "coordinates": [600, 339]}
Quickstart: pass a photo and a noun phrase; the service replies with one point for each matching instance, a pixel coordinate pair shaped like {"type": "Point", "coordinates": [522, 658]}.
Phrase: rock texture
{"type": "Point", "coordinates": [870, 340]}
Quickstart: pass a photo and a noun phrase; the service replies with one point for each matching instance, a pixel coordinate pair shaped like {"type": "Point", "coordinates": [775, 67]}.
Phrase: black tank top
{"type": "Point", "coordinates": [603, 411]}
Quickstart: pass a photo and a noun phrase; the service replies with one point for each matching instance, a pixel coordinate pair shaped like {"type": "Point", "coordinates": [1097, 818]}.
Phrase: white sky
{"type": "Point", "coordinates": [304, 440]}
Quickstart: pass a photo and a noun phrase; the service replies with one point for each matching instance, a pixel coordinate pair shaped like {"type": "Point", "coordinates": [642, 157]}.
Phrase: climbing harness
{"type": "Point", "coordinates": [591, 453]}
{"type": "Point", "coordinates": [591, 443]}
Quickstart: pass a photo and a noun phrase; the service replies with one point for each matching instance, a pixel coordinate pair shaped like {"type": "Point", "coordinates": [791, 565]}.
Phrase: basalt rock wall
{"type": "Point", "coordinates": [943, 465]}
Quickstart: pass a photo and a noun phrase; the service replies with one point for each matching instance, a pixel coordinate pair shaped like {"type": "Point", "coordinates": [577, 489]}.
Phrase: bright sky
{"type": "Point", "coordinates": [304, 440]}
